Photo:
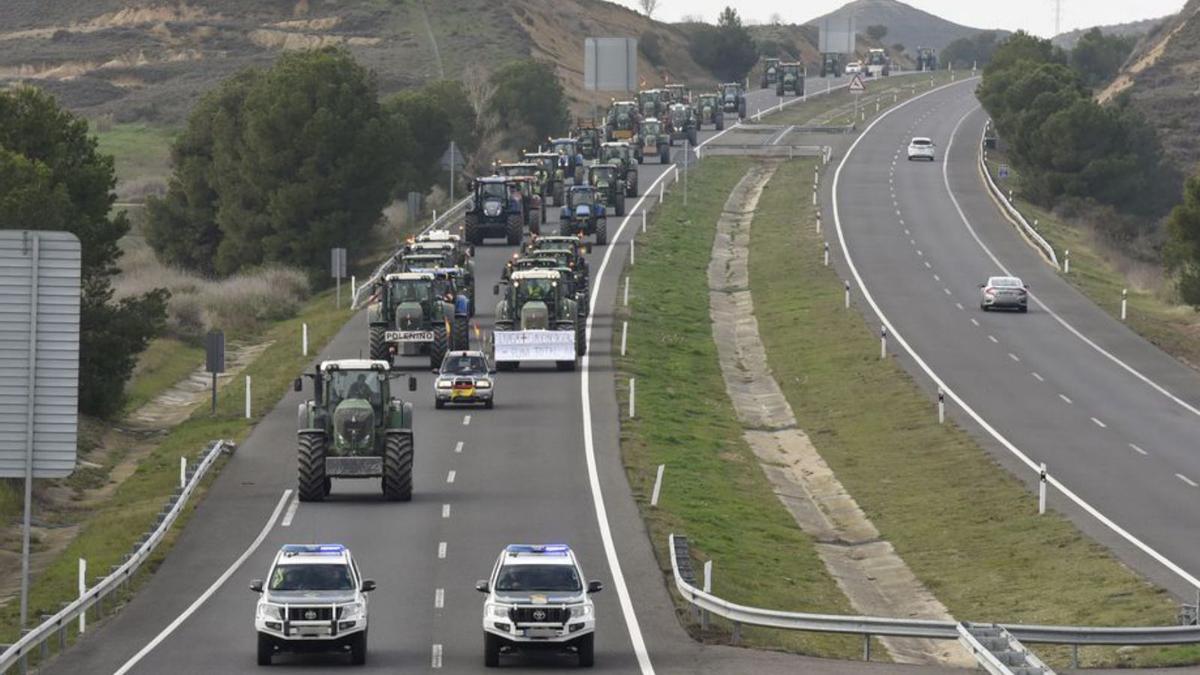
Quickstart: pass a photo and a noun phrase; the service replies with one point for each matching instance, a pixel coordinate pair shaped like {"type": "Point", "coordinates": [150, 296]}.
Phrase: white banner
{"type": "Point", "coordinates": [534, 345]}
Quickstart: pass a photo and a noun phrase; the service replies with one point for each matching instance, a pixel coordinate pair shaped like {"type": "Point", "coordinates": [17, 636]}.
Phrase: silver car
{"type": "Point", "coordinates": [1004, 293]}
{"type": "Point", "coordinates": [465, 377]}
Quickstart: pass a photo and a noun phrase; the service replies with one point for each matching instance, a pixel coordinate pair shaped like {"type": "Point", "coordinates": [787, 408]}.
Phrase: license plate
{"type": "Point", "coordinates": [463, 393]}
{"type": "Point", "coordinates": [408, 336]}
{"type": "Point", "coordinates": [541, 632]}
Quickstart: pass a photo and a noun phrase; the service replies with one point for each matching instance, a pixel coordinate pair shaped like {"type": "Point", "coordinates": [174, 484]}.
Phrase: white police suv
{"type": "Point", "coordinates": [314, 600]}
{"type": "Point", "coordinates": [537, 598]}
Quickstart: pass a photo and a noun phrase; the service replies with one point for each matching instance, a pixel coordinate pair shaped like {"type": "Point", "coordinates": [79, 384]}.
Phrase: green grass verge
{"type": "Point", "coordinates": [111, 529]}
{"type": "Point", "coordinates": [967, 528]}
{"type": "Point", "coordinates": [141, 152]}
{"type": "Point", "coordinates": [165, 362]}
{"type": "Point", "coordinates": [837, 107]}
{"type": "Point", "coordinates": [714, 490]}
{"type": "Point", "coordinates": [1100, 272]}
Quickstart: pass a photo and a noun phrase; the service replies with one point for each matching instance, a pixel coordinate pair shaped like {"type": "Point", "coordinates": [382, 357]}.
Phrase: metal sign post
{"type": "Point", "coordinates": [337, 266]}
{"type": "Point", "coordinates": [39, 395]}
{"type": "Point", "coordinates": [452, 160]}
{"type": "Point", "coordinates": [214, 360]}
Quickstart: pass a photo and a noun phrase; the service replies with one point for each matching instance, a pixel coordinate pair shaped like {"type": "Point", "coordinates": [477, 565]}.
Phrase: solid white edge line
{"type": "Point", "coordinates": [992, 431]}
{"type": "Point", "coordinates": [191, 609]}
{"type": "Point", "coordinates": [1185, 479]}
{"type": "Point", "coordinates": [1063, 322]}
{"type": "Point", "coordinates": [290, 514]}
{"type": "Point", "coordinates": [589, 448]}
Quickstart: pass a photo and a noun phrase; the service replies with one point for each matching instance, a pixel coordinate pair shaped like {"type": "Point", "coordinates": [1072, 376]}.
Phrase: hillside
{"type": "Point", "coordinates": [906, 24]}
{"type": "Point", "coordinates": [1160, 79]}
{"type": "Point", "coordinates": [1132, 29]}
{"type": "Point", "coordinates": [802, 41]}
{"type": "Point", "coordinates": [150, 60]}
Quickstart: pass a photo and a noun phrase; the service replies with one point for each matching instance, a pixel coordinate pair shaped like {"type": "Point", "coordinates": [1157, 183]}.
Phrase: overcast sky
{"type": "Point", "coordinates": [1035, 16]}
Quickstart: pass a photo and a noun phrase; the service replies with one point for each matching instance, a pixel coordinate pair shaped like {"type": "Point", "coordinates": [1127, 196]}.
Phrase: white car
{"type": "Point", "coordinates": [921, 148]}
{"type": "Point", "coordinates": [1004, 293]}
{"type": "Point", "coordinates": [853, 67]}
{"type": "Point", "coordinates": [314, 600]}
{"type": "Point", "coordinates": [537, 599]}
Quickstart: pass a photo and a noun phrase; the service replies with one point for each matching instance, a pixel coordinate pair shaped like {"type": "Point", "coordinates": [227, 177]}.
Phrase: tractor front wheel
{"type": "Point", "coordinates": [398, 466]}
{"type": "Point", "coordinates": [580, 336]}
{"type": "Point", "coordinates": [460, 334]}
{"type": "Point", "coordinates": [437, 348]}
{"type": "Point", "coordinates": [311, 456]}
{"type": "Point", "coordinates": [379, 348]}
{"type": "Point", "coordinates": [515, 229]}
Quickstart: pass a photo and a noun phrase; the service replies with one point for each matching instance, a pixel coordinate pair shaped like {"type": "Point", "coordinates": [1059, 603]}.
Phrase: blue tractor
{"type": "Point", "coordinates": [584, 214]}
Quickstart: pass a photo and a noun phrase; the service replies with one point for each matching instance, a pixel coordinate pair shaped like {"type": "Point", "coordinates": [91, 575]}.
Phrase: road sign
{"type": "Point", "coordinates": [1004, 171]}
{"type": "Point", "coordinates": [857, 85]}
{"type": "Point", "coordinates": [610, 64]}
{"type": "Point", "coordinates": [452, 159]}
{"type": "Point", "coordinates": [337, 262]}
{"type": "Point", "coordinates": [39, 336]}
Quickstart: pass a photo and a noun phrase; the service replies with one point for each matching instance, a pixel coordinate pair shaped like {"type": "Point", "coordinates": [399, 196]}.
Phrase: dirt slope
{"type": "Point", "coordinates": [1161, 78]}
{"type": "Point", "coordinates": [150, 60]}
{"type": "Point", "coordinates": [906, 24]}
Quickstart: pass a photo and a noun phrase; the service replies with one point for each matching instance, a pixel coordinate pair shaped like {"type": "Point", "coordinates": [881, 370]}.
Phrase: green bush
{"type": "Point", "coordinates": [726, 49]}
{"type": "Point", "coordinates": [529, 101]}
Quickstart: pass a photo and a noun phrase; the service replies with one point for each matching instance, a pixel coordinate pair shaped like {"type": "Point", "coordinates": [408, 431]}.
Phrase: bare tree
{"type": "Point", "coordinates": [648, 6]}
{"type": "Point", "coordinates": [776, 19]}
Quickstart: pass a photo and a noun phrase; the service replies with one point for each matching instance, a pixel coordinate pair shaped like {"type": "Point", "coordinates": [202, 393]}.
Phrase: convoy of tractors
{"type": "Point", "coordinates": [356, 425]}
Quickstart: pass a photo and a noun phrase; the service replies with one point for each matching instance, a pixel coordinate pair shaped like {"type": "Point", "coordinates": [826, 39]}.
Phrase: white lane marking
{"type": "Point", "coordinates": [920, 252]}
{"type": "Point", "coordinates": [936, 277]}
{"type": "Point", "coordinates": [445, 510]}
{"type": "Point", "coordinates": [441, 550]}
{"type": "Point", "coordinates": [466, 420]}
{"type": "Point", "coordinates": [959, 305]}
{"type": "Point", "coordinates": [1038, 377]}
{"type": "Point", "coordinates": [975, 321]}
{"type": "Point", "coordinates": [589, 450]}
{"type": "Point", "coordinates": [1138, 450]}
{"type": "Point", "coordinates": [966, 407]}
{"type": "Point", "coordinates": [928, 266]}
{"type": "Point", "coordinates": [439, 598]}
{"type": "Point", "coordinates": [291, 512]}
{"type": "Point", "coordinates": [1014, 357]}
{"type": "Point", "coordinates": [1066, 400]}
{"type": "Point", "coordinates": [1100, 424]}
{"type": "Point", "coordinates": [993, 339]}
{"type": "Point", "coordinates": [191, 609]}
{"type": "Point", "coordinates": [947, 290]}
{"type": "Point", "coordinates": [436, 661]}
{"type": "Point", "coordinates": [458, 446]}
{"type": "Point", "coordinates": [1185, 479]}
{"type": "Point", "coordinates": [1128, 368]}
{"type": "Point", "coordinates": [450, 476]}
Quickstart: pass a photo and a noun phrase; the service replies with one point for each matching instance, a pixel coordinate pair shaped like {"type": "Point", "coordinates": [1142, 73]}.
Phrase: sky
{"type": "Point", "coordinates": [1034, 16]}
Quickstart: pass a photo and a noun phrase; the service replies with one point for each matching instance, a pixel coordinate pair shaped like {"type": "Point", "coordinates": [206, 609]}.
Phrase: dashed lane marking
{"type": "Point", "coordinates": [1100, 424]}
{"type": "Point", "coordinates": [1137, 449]}
{"type": "Point", "coordinates": [1039, 377]}
{"type": "Point", "coordinates": [458, 446]}
{"type": "Point", "coordinates": [439, 598]}
{"type": "Point", "coordinates": [441, 550]}
{"type": "Point", "coordinates": [450, 476]}
{"type": "Point", "coordinates": [1066, 399]}
{"type": "Point", "coordinates": [445, 510]}
{"type": "Point", "coordinates": [1185, 479]}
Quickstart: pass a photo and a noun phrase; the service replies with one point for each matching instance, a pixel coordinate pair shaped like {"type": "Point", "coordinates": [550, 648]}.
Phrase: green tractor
{"type": "Point", "coordinates": [622, 121]}
{"type": "Point", "coordinates": [733, 98]}
{"type": "Point", "coordinates": [708, 111]}
{"type": "Point", "coordinates": [607, 179]}
{"type": "Point", "coordinates": [537, 320]}
{"type": "Point", "coordinates": [415, 313]}
{"type": "Point", "coordinates": [624, 156]}
{"type": "Point", "coordinates": [655, 140]}
{"type": "Point", "coordinates": [791, 79]}
{"type": "Point", "coordinates": [353, 428]}
{"type": "Point", "coordinates": [770, 74]}
{"type": "Point", "coordinates": [683, 124]}
{"type": "Point", "coordinates": [651, 103]}
{"type": "Point", "coordinates": [678, 93]}
{"type": "Point", "coordinates": [590, 138]}
{"type": "Point", "coordinates": [831, 64]}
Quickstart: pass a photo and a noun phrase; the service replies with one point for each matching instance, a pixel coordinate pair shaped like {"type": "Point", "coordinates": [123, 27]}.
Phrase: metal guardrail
{"type": "Point", "coordinates": [363, 290]}
{"type": "Point", "coordinates": [998, 652]}
{"type": "Point", "coordinates": [17, 653]}
{"type": "Point", "coordinates": [1011, 210]}
{"type": "Point", "coordinates": [869, 626]}
{"type": "Point", "coordinates": [760, 150]}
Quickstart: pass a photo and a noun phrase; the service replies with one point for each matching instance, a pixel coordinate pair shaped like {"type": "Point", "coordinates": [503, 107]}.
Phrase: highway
{"type": "Point", "coordinates": [539, 467]}
{"type": "Point", "coordinates": [1115, 419]}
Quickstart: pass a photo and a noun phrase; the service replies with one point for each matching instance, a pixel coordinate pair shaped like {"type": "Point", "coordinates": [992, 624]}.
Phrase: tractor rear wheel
{"type": "Point", "coordinates": [515, 229]}
{"type": "Point", "coordinates": [379, 348]}
{"type": "Point", "coordinates": [664, 155]}
{"type": "Point", "coordinates": [437, 348]}
{"type": "Point", "coordinates": [602, 231]}
{"type": "Point", "coordinates": [692, 137]}
{"type": "Point", "coordinates": [634, 189]}
{"type": "Point", "coordinates": [621, 205]}
{"type": "Point", "coordinates": [398, 466]}
{"type": "Point", "coordinates": [311, 456]}
{"type": "Point", "coordinates": [580, 337]}
{"type": "Point", "coordinates": [719, 123]}
{"type": "Point", "coordinates": [471, 232]}
{"type": "Point", "coordinates": [460, 334]}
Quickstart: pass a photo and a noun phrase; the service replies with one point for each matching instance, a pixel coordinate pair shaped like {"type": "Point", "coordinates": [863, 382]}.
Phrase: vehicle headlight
{"type": "Point", "coordinates": [353, 611]}
{"type": "Point", "coordinates": [269, 611]}
{"type": "Point", "coordinates": [497, 611]}
{"type": "Point", "coordinates": [443, 384]}
{"type": "Point", "coordinates": [581, 611]}
{"type": "Point", "coordinates": [483, 384]}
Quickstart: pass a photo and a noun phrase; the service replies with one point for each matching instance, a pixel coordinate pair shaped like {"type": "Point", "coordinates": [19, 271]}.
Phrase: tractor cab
{"type": "Point", "coordinates": [678, 93]}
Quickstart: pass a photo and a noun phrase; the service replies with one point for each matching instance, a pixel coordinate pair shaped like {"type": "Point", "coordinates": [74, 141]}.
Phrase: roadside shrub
{"type": "Point", "coordinates": [651, 47]}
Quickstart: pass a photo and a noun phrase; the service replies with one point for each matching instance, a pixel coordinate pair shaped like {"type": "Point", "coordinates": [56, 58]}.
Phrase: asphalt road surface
{"type": "Point", "coordinates": [1114, 418]}
{"type": "Point", "coordinates": [483, 479]}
